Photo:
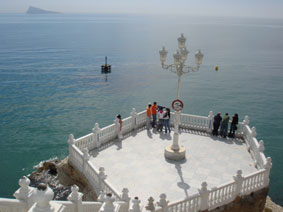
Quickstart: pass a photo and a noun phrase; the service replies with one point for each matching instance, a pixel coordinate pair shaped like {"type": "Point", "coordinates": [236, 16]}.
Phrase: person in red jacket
{"type": "Point", "coordinates": [148, 116]}
{"type": "Point", "coordinates": [153, 112]}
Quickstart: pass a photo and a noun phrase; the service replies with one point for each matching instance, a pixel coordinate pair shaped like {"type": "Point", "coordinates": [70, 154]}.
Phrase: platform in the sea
{"type": "Point", "coordinates": [137, 162]}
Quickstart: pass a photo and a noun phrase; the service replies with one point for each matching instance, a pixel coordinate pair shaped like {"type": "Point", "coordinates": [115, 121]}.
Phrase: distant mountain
{"type": "Point", "coordinates": [34, 10]}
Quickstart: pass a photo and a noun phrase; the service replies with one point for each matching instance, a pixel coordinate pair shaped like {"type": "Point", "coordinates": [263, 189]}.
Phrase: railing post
{"type": "Point", "coordinates": [163, 203]}
{"type": "Point", "coordinates": [42, 196]}
{"type": "Point", "coordinates": [125, 197]}
{"type": "Point", "coordinates": [71, 141]}
{"type": "Point", "coordinates": [136, 205]}
{"type": "Point", "coordinates": [101, 197]}
{"type": "Point", "coordinates": [210, 122]}
{"type": "Point", "coordinates": [261, 146]}
{"type": "Point", "coordinates": [86, 157]}
{"type": "Point", "coordinates": [246, 121]}
{"type": "Point", "coordinates": [239, 182]}
{"type": "Point", "coordinates": [204, 194]}
{"type": "Point", "coordinates": [76, 198]}
{"type": "Point", "coordinates": [134, 118]}
{"type": "Point", "coordinates": [96, 131]}
{"type": "Point", "coordinates": [267, 166]}
{"type": "Point", "coordinates": [24, 192]}
{"type": "Point", "coordinates": [254, 132]}
{"type": "Point", "coordinates": [102, 177]}
{"type": "Point", "coordinates": [108, 205]}
{"type": "Point", "coordinates": [150, 206]}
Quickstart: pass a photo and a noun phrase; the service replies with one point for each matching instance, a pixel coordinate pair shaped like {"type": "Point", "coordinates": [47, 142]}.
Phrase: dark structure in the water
{"type": "Point", "coordinates": [106, 68]}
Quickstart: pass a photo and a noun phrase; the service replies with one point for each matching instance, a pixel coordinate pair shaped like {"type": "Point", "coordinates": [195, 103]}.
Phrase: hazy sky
{"type": "Point", "coordinates": [243, 8]}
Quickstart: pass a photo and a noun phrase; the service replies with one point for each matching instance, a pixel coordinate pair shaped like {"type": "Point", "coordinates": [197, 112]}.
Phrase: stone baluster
{"type": "Point", "coordinates": [150, 206]}
{"type": "Point", "coordinates": [210, 122]}
{"type": "Point", "coordinates": [134, 118]}
{"type": "Point", "coordinates": [136, 205]}
{"type": "Point", "coordinates": [42, 196]}
{"type": "Point", "coordinates": [267, 166]}
{"type": "Point", "coordinates": [246, 120]}
{"type": "Point", "coordinates": [108, 205]}
{"type": "Point", "coordinates": [239, 182]}
{"type": "Point", "coordinates": [24, 192]}
{"type": "Point", "coordinates": [261, 146]}
{"type": "Point", "coordinates": [76, 198]}
{"type": "Point", "coordinates": [253, 131]}
{"type": "Point", "coordinates": [163, 203]}
{"type": "Point", "coordinates": [204, 193]}
{"type": "Point", "coordinates": [96, 130]}
{"type": "Point", "coordinates": [102, 177]}
{"type": "Point", "coordinates": [86, 157]}
{"type": "Point", "coordinates": [101, 197]}
{"type": "Point", "coordinates": [125, 197]}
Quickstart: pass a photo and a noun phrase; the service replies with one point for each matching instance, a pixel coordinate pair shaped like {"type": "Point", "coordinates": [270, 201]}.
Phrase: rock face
{"type": "Point", "coordinates": [48, 174]}
{"type": "Point", "coordinates": [68, 174]}
{"type": "Point", "coordinates": [60, 176]}
{"type": "Point", "coordinates": [271, 206]}
{"type": "Point", "coordinates": [35, 10]}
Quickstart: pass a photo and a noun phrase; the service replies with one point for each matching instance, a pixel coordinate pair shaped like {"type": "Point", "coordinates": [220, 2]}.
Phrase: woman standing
{"type": "Point", "coordinates": [167, 120]}
{"type": "Point", "coordinates": [119, 124]}
{"type": "Point", "coordinates": [224, 125]}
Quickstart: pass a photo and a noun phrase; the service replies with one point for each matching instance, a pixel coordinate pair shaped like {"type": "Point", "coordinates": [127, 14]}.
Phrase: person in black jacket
{"type": "Point", "coordinates": [216, 124]}
{"type": "Point", "coordinates": [233, 126]}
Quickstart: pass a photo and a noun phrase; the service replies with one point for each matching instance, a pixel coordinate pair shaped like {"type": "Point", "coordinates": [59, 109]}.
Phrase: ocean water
{"type": "Point", "coordinates": [51, 84]}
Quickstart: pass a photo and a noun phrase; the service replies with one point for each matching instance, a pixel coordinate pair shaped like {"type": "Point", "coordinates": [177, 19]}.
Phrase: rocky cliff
{"type": "Point", "coordinates": [35, 10]}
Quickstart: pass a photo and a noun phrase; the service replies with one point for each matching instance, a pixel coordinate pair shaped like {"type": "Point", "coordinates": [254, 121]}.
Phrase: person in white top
{"type": "Point", "coordinates": [161, 120]}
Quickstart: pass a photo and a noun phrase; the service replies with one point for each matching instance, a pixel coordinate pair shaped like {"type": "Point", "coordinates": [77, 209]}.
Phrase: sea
{"type": "Point", "coordinates": [51, 83]}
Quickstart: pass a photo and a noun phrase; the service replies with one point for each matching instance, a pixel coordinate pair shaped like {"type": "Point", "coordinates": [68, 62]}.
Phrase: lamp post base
{"type": "Point", "coordinates": [176, 155]}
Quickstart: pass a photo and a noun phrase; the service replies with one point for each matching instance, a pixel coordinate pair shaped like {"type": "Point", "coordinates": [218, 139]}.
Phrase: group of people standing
{"type": "Point", "coordinates": [162, 113]}
{"type": "Point", "coordinates": [218, 121]}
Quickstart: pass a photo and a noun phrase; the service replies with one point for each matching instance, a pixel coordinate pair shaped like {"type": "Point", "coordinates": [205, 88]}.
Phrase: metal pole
{"type": "Point", "coordinates": [179, 84]}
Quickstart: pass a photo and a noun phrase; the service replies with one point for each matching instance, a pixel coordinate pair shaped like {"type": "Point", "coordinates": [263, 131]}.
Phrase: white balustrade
{"type": "Point", "coordinates": [91, 206]}
{"type": "Point", "coordinates": [253, 182]}
{"type": "Point", "coordinates": [127, 125]}
{"type": "Point", "coordinates": [76, 157]}
{"type": "Point", "coordinates": [221, 195]}
{"type": "Point", "coordinates": [190, 204]}
{"type": "Point", "coordinates": [254, 147]}
{"type": "Point", "coordinates": [85, 141]}
{"type": "Point", "coordinates": [141, 119]}
{"type": "Point", "coordinates": [11, 205]}
{"type": "Point", "coordinates": [194, 122]}
{"type": "Point", "coordinates": [206, 199]}
{"type": "Point", "coordinates": [107, 133]}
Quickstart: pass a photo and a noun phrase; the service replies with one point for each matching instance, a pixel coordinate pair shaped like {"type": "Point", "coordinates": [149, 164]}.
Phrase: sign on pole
{"type": "Point", "coordinates": [177, 105]}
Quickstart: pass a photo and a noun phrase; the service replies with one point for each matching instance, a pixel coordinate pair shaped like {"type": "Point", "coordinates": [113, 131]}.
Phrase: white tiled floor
{"type": "Point", "coordinates": [138, 163]}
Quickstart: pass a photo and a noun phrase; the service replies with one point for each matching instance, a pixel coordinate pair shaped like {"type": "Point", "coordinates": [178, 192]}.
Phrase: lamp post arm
{"type": "Point", "coordinates": [188, 69]}
{"type": "Point", "coordinates": [171, 67]}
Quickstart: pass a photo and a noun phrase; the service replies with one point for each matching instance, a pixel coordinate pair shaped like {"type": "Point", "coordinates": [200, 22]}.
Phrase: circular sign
{"type": "Point", "coordinates": [177, 105]}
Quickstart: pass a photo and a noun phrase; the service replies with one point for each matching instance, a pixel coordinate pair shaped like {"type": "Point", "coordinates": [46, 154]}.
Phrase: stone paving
{"type": "Point", "coordinates": [138, 163]}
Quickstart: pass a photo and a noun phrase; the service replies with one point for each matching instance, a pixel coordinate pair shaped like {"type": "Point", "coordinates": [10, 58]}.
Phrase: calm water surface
{"type": "Point", "coordinates": [51, 85]}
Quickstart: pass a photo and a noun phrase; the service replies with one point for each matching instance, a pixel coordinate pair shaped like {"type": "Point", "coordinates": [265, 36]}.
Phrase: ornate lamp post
{"type": "Point", "coordinates": [175, 152]}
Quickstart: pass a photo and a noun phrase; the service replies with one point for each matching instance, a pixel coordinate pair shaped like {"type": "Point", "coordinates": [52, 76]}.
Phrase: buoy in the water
{"type": "Point", "coordinates": [216, 68]}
